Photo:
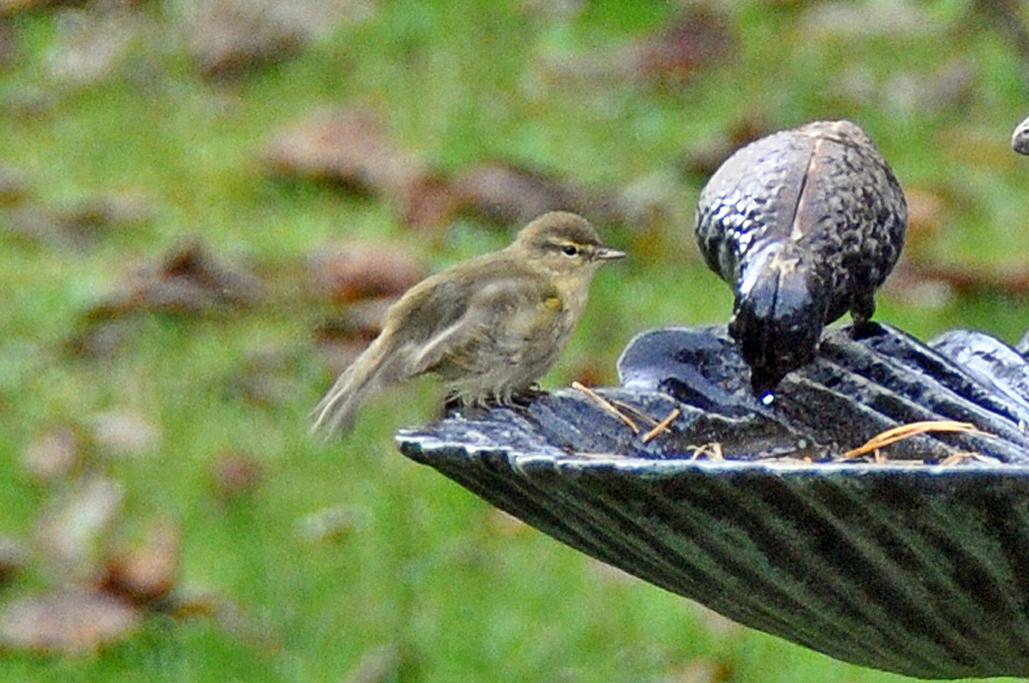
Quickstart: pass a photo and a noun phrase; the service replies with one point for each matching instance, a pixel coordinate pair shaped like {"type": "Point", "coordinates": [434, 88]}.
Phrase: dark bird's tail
{"type": "Point", "coordinates": [778, 317]}
{"type": "Point", "coordinates": [365, 376]}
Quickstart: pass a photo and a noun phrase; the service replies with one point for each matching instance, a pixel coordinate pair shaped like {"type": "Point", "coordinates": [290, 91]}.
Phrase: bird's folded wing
{"type": "Point", "coordinates": [490, 313]}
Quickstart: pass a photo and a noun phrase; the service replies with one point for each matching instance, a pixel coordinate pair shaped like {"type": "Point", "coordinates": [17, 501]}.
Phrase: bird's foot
{"type": "Point", "coordinates": [526, 397]}
{"type": "Point", "coordinates": [864, 329]}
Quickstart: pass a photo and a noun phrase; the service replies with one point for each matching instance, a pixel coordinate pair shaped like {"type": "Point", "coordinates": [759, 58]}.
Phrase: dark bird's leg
{"type": "Point", "coordinates": [861, 311]}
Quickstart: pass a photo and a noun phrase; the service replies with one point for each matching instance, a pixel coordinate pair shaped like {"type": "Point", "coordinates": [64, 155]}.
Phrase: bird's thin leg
{"type": "Point", "coordinates": [527, 396]}
{"type": "Point", "coordinates": [862, 309]}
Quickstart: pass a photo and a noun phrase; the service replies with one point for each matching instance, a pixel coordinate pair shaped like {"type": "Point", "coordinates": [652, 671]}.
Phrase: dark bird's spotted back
{"type": "Point", "coordinates": [805, 225]}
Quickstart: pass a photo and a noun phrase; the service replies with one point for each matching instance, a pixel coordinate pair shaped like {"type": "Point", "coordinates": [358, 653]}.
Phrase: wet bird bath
{"type": "Point", "coordinates": [906, 565]}
{"type": "Point", "coordinates": [912, 558]}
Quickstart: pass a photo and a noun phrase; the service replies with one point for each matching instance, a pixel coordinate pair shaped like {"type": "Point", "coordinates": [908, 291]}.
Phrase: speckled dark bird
{"type": "Point", "coordinates": [1020, 138]}
{"type": "Point", "coordinates": [805, 225]}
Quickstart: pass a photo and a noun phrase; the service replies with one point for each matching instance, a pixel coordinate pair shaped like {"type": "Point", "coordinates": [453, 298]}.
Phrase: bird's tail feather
{"type": "Point", "coordinates": [338, 408]}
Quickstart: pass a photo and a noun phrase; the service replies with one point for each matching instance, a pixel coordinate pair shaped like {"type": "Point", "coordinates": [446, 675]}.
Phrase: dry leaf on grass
{"type": "Point", "coordinates": [330, 524]}
{"type": "Point", "coordinates": [235, 475]}
{"type": "Point", "coordinates": [187, 280]}
{"type": "Point", "coordinates": [705, 156]}
{"type": "Point", "coordinates": [53, 454]}
{"type": "Point", "coordinates": [696, 40]}
{"type": "Point", "coordinates": [673, 55]}
{"type": "Point", "coordinates": [77, 225]}
{"type": "Point", "coordinates": [91, 46]}
{"type": "Point", "coordinates": [125, 432]}
{"type": "Point", "coordinates": [71, 533]}
{"type": "Point", "coordinates": [507, 194]}
{"type": "Point", "coordinates": [12, 558]}
{"type": "Point", "coordinates": [14, 185]}
{"type": "Point", "coordinates": [67, 622]}
{"type": "Point", "coordinates": [228, 37]}
{"type": "Point", "coordinates": [968, 280]}
{"type": "Point", "coordinates": [700, 670]}
{"type": "Point", "coordinates": [351, 271]}
{"type": "Point", "coordinates": [266, 377]}
{"type": "Point", "coordinates": [149, 571]}
{"type": "Point", "coordinates": [350, 147]}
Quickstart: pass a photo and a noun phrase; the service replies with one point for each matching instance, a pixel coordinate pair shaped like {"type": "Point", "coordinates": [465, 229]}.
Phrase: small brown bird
{"type": "Point", "coordinates": [489, 327]}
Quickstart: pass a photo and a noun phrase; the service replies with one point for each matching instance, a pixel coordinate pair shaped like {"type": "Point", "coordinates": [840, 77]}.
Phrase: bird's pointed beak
{"type": "Point", "coordinates": [607, 254]}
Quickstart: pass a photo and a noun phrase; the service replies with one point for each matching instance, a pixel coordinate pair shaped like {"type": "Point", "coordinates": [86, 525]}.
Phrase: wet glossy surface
{"type": "Point", "coordinates": [910, 567]}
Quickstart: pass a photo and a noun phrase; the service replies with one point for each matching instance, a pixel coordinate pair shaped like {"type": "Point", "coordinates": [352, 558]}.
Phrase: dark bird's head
{"type": "Point", "coordinates": [563, 243]}
{"type": "Point", "coordinates": [1020, 138]}
{"type": "Point", "coordinates": [778, 316]}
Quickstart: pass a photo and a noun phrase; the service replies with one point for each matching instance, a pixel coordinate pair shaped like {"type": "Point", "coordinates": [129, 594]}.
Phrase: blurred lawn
{"type": "Point", "coordinates": [432, 570]}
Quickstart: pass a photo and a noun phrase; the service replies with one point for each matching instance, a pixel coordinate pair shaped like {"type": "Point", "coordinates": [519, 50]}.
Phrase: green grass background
{"type": "Point", "coordinates": [429, 569]}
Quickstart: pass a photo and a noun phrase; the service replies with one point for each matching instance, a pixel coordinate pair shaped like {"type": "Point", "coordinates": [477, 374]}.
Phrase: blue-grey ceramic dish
{"type": "Point", "coordinates": [907, 565]}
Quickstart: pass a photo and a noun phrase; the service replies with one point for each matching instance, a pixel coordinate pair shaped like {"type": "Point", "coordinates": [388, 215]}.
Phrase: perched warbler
{"type": "Point", "coordinates": [489, 327]}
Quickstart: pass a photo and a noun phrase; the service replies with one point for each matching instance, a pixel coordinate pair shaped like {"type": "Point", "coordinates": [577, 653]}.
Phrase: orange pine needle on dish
{"type": "Point", "coordinates": [711, 451]}
{"type": "Point", "coordinates": [606, 406]}
{"type": "Point", "coordinates": [662, 426]}
{"type": "Point", "coordinates": [902, 432]}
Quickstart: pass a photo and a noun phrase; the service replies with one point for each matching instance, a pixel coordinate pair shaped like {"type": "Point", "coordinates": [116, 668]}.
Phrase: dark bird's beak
{"type": "Point", "coordinates": [607, 254]}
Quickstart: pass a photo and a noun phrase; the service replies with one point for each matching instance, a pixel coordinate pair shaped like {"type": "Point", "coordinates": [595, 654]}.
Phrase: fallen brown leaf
{"type": "Point", "coordinates": [148, 572]}
{"type": "Point", "coordinates": [341, 339]}
{"type": "Point", "coordinates": [14, 184]}
{"type": "Point", "coordinates": [927, 214]}
{"type": "Point", "coordinates": [53, 454]}
{"type": "Point", "coordinates": [187, 280]}
{"type": "Point", "coordinates": [90, 46]}
{"type": "Point", "coordinates": [698, 39]}
{"type": "Point", "coordinates": [351, 271]}
{"type": "Point", "coordinates": [704, 157]}
{"type": "Point", "coordinates": [350, 147]}
{"type": "Point", "coordinates": [507, 194]}
{"type": "Point", "coordinates": [12, 558]}
{"type": "Point", "coordinates": [125, 432]}
{"type": "Point", "coordinates": [229, 616]}
{"type": "Point", "coordinates": [229, 37]}
{"type": "Point", "coordinates": [235, 474]}
{"type": "Point", "coordinates": [72, 531]}
{"type": "Point", "coordinates": [330, 524]}
{"type": "Point", "coordinates": [700, 670]}
{"type": "Point", "coordinates": [67, 622]}
{"type": "Point", "coordinates": [967, 280]}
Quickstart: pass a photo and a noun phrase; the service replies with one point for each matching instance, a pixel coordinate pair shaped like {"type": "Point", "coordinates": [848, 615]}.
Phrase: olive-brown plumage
{"type": "Point", "coordinates": [489, 327]}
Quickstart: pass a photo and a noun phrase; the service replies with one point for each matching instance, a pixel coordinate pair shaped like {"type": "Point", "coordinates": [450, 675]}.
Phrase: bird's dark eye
{"type": "Point", "coordinates": [570, 250]}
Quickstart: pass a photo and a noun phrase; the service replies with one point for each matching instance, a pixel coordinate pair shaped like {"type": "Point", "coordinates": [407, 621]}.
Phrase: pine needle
{"type": "Point", "coordinates": [606, 406]}
{"type": "Point", "coordinates": [662, 426]}
{"type": "Point", "coordinates": [896, 434]}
